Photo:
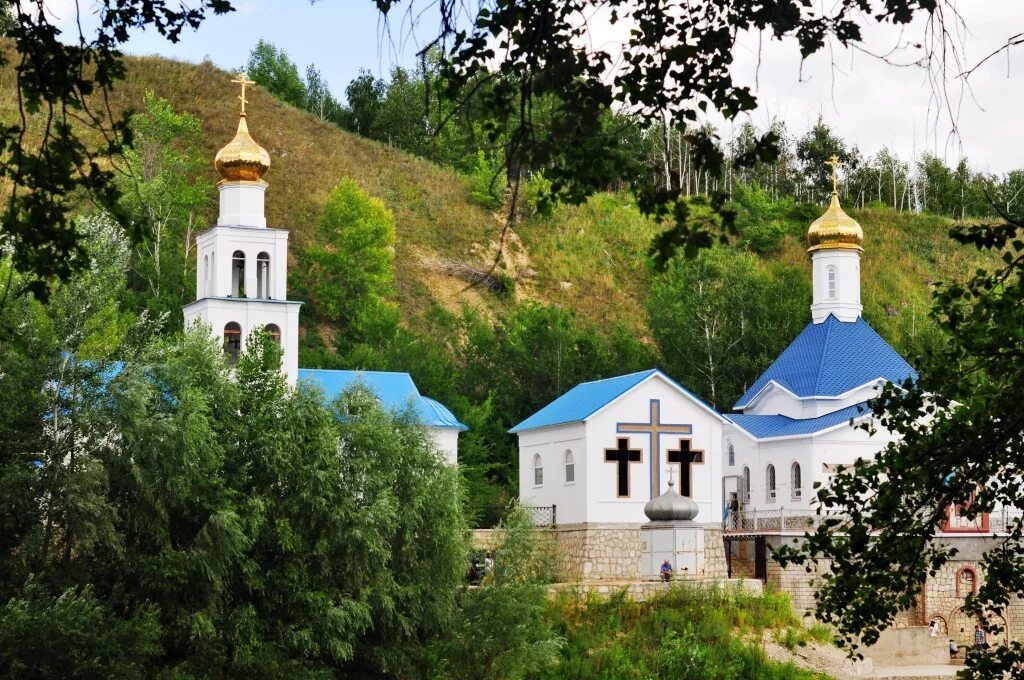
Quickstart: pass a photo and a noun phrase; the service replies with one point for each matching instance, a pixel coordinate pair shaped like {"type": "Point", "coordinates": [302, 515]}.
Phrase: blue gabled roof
{"type": "Point", "coordinates": [588, 398]}
{"type": "Point", "coordinates": [764, 427]}
{"type": "Point", "coordinates": [396, 391]}
{"type": "Point", "coordinates": [831, 358]}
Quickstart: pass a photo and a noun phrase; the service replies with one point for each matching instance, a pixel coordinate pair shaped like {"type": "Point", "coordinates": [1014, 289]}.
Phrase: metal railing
{"type": "Point", "coordinates": [779, 520]}
{"type": "Point", "coordinates": [1004, 520]}
{"type": "Point", "coordinates": [773, 520]}
{"type": "Point", "coordinates": [542, 515]}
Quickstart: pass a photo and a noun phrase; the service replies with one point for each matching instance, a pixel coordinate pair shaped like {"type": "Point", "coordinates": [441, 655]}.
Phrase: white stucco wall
{"type": "Point", "coordinates": [242, 203]}
{"type": "Point", "coordinates": [837, 447]}
{"type": "Point", "coordinates": [446, 439]}
{"type": "Point", "coordinates": [551, 443]}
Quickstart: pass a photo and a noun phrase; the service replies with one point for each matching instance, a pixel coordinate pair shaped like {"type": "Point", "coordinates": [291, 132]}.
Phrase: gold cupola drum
{"type": "Point", "coordinates": [242, 159]}
{"type": "Point", "coordinates": [835, 229]}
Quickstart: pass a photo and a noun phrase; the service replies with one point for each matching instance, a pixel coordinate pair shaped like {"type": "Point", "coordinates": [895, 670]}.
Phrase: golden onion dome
{"type": "Point", "coordinates": [242, 159]}
{"type": "Point", "coordinates": [835, 229]}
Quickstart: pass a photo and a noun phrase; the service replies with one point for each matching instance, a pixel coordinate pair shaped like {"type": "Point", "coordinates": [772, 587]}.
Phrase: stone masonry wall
{"type": "Point", "coordinates": [586, 552]}
{"type": "Point", "coordinates": [595, 552]}
{"type": "Point", "coordinates": [715, 565]}
{"type": "Point", "coordinates": [797, 582]}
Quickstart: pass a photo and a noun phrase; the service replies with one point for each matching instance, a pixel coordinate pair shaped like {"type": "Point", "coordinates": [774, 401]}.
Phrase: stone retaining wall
{"type": "Point", "coordinates": [589, 552]}
{"type": "Point", "coordinates": [715, 565]}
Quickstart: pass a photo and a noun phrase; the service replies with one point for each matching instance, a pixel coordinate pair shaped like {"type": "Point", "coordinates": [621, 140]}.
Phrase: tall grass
{"type": "Point", "coordinates": [685, 633]}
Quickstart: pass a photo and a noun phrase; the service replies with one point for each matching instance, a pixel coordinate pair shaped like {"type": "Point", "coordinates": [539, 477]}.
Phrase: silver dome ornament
{"type": "Point", "coordinates": [670, 507]}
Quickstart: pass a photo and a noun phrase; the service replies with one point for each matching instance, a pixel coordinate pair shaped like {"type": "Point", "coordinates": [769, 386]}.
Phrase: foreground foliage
{"type": "Point", "coordinates": [162, 515]}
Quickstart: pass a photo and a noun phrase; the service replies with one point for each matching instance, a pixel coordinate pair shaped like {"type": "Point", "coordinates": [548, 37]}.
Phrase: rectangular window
{"type": "Point", "coordinates": [570, 473]}
{"type": "Point", "coordinates": [538, 476]}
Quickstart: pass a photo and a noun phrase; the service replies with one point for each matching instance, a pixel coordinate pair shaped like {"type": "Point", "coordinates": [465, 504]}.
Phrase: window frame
{"type": "Point", "coordinates": [569, 468]}
{"type": "Point", "coordinates": [771, 492]}
{"type": "Point", "coordinates": [538, 470]}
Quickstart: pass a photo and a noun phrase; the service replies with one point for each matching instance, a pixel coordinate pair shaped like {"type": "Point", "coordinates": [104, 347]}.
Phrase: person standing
{"type": "Point", "coordinates": [980, 639]}
{"type": "Point", "coordinates": [933, 628]}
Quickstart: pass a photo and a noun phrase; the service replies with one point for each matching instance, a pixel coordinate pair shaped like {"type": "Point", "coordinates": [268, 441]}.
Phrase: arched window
{"type": "Point", "coordinates": [538, 470]}
{"type": "Point", "coordinates": [232, 342]}
{"type": "Point", "coordinates": [966, 582]}
{"type": "Point", "coordinates": [769, 476]}
{"type": "Point", "coordinates": [263, 276]}
{"type": "Point", "coordinates": [732, 455]}
{"type": "Point", "coordinates": [795, 481]}
{"type": "Point", "coordinates": [274, 332]}
{"type": "Point", "coordinates": [205, 278]}
{"type": "Point", "coordinates": [745, 495]}
{"type": "Point", "coordinates": [237, 274]}
{"type": "Point", "coordinates": [570, 468]}
{"type": "Point", "coordinates": [833, 284]}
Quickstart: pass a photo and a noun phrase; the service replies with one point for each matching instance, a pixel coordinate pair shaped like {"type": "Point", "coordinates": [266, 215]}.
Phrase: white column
{"type": "Point", "coordinates": [250, 275]}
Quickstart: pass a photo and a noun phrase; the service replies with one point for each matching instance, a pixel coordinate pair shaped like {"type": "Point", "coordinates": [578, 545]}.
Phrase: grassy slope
{"type": "Point", "coordinates": [590, 258]}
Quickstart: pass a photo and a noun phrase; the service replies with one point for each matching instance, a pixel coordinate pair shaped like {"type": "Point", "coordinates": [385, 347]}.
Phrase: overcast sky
{"type": "Point", "coordinates": [868, 102]}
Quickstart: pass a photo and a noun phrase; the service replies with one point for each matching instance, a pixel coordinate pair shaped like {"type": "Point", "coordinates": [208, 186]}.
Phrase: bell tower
{"type": "Point", "coordinates": [242, 265]}
{"type": "Point", "coordinates": [835, 246]}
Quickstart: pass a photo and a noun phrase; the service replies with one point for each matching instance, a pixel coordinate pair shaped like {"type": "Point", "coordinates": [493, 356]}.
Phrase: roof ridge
{"type": "Point", "coordinates": [824, 352]}
{"type": "Point", "coordinates": [356, 370]}
{"type": "Point", "coordinates": [616, 377]}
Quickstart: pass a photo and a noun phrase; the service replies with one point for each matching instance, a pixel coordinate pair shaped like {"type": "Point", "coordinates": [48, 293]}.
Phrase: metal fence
{"type": "Point", "coordinates": [1005, 520]}
{"type": "Point", "coordinates": [490, 516]}
{"type": "Point", "coordinates": [776, 519]}
{"type": "Point", "coordinates": [542, 515]}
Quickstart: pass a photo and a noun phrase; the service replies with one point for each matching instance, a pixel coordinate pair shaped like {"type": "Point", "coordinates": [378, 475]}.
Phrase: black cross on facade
{"type": "Point", "coordinates": [685, 458]}
{"type": "Point", "coordinates": [623, 456]}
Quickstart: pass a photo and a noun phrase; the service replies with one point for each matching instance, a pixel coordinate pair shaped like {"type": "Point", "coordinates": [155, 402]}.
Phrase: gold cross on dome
{"type": "Point", "coordinates": [836, 164]}
{"type": "Point", "coordinates": [243, 81]}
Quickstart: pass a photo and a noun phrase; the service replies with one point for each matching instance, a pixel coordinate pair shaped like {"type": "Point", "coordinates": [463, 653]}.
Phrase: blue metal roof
{"type": "Point", "coordinates": [764, 427]}
{"type": "Point", "coordinates": [587, 398]}
{"type": "Point", "coordinates": [831, 358]}
{"type": "Point", "coordinates": [396, 391]}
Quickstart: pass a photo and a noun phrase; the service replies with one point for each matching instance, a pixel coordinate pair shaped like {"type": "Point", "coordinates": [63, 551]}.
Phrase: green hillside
{"type": "Point", "coordinates": [588, 258]}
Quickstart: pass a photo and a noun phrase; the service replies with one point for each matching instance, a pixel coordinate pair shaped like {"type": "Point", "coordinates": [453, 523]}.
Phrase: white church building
{"type": "Point", "coordinates": [603, 449]}
{"type": "Point", "coordinates": [241, 288]}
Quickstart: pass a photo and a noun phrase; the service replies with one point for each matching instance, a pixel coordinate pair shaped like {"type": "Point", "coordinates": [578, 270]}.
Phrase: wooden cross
{"type": "Point", "coordinates": [243, 81]}
{"type": "Point", "coordinates": [836, 164]}
{"type": "Point", "coordinates": [686, 458]}
{"type": "Point", "coordinates": [655, 428]}
{"type": "Point", "coordinates": [623, 456]}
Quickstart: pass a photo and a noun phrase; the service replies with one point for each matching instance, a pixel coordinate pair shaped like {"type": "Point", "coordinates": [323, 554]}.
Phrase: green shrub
{"type": "Point", "coordinates": [487, 180]}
